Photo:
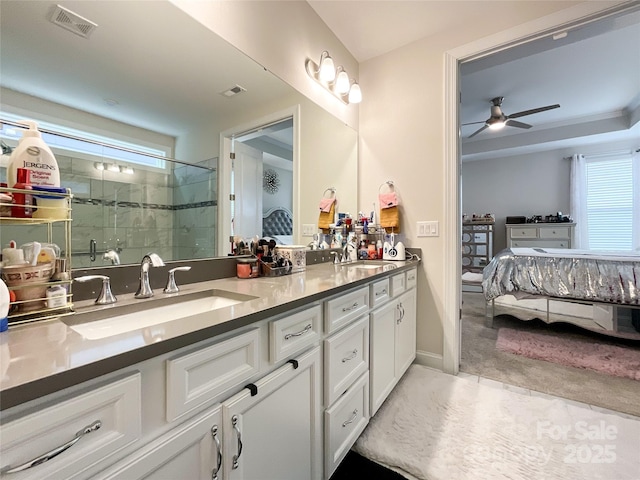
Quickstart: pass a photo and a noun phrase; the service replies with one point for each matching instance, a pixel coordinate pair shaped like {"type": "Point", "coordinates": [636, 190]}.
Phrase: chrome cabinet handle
{"type": "Point", "coordinates": [55, 452]}
{"type": "Point", "coordinates": [400, 309]}
{"type": "Point", "coordinates": [351, 356]}
{"type": "Point", "coordinates": [214, 434]}
{"type": "Point", "coordinates": [412, 277]}
{"type": "Point", "coordinates": [381, 292]}
{"type": "Point", "coordinates": [297, 334]}
{"type": "Point", "coordinates": [236, 458]}
{"type": "Point", "coordinates": [346, 309]}
{"type": "Point", "coordinates": [353, 417]}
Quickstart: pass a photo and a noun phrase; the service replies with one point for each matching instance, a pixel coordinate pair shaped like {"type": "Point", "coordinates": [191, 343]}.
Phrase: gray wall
{"type": "Point", "coordinates": [532, 184]}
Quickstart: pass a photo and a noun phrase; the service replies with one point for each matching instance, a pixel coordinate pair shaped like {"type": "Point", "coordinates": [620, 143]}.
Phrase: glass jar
{"type": "Point", "coordinates": [247, 268]}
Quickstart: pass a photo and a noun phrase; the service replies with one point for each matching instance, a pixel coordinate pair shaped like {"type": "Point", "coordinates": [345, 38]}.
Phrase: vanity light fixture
{"type": "Point", "coordinates": [112, 167]}
{"type": "Point", "coordinates": [98, 166]}
{"type": "Point", "coordinates": [127, 170]}
{"type": "Point", "coordinates": [334, 80]}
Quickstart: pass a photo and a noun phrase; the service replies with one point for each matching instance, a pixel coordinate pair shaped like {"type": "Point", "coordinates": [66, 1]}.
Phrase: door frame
{"type": "Point", "coordinates": [224, 173]}
{"type": "Point", "coordinates": [572, 17]}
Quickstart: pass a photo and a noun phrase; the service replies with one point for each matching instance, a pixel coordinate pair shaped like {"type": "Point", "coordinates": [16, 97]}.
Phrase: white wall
{"type": "Point", "coordinates": [402, 138]}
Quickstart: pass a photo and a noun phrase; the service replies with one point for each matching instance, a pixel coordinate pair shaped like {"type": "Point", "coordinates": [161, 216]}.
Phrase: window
{"type": "Point", "coordinates": [78, 141]}
{"type": "Point", "coordinates": [611, 209]}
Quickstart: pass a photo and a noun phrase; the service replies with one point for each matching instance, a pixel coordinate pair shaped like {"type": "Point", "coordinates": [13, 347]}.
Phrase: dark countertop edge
{"type": "Point", "coordinates": [26, 392]}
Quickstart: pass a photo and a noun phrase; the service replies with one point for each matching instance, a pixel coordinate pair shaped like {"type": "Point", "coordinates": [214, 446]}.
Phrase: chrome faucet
{"type": "Point", "coordinates": [105, 297]}
{"type": "Point", "coordinates": [171, 281]}
{"type": "Point", "coordinates": [149, 260]}
{"type": "Point", "coordinates": [112, 255]}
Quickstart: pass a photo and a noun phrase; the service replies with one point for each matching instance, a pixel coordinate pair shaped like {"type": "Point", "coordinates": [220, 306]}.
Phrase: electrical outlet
{"type": "Point", "coordinates": [308, 229]}
{"type": "Point", "coordinates": [427, 229]}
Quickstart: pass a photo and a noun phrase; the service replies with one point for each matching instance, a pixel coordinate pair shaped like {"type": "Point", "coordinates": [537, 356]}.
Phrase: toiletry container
{"type": "Point", "coordinates": [4, 306]}
{"type": "Point", "coordinates": [22, 201]}
{"type": "Point", "coordinates": [48, 206]}
{"type": "Point", "coordinates": [33, 154]}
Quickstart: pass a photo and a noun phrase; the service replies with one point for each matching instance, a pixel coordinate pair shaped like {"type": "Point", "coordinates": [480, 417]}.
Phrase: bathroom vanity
{"type": "Point", "coordinates": [268, 378]}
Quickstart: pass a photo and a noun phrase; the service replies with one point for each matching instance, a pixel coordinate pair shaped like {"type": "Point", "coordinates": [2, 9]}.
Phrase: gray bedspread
{"type": "Point", "coordinates": [575, 274]}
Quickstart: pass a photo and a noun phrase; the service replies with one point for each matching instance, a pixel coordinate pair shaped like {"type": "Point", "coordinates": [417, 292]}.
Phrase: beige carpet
{"type": "Point", "coordinates": [480, 357]}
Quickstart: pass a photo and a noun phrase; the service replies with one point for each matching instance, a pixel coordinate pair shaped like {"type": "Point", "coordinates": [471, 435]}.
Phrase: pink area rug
{"type": "Point", "coordinates": [614, 360]}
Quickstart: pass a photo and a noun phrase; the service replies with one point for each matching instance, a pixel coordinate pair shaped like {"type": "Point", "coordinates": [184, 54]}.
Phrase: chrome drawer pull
{"type": "Point", "coordinates": [381, 292]}
{"type": "Point", "coordinates": [351, 356]}
{"type": "Point", "coordinates": [56, 451]}
{"type": "Point", "coordinates": [214, 434]}
{"type": "Point", "coordinates": [353, 417]}
{"type": "Point", "coordinates": [297, 334]}
{"type": "Point", "coordinates": [236, 458]}
{"type": "Point", "coordinates": [346, 309]}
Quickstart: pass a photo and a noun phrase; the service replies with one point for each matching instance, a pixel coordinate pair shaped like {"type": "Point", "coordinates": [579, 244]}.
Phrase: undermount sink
{"type": "Point", "coordinates": [118, 319]}
{"type": "Point", "coordinates": [371, 265]}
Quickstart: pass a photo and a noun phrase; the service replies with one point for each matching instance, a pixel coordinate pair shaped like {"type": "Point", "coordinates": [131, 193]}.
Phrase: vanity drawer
{"type": "Point", "coordinates": [341, 310]}
{"type": "Point", "coordinates": [344, 422]}
{"type": "Point", "coordinates": [412, 278]}
{"type": "Point", "coordinates": [554, 232]}
{"type": "Point", "coordinates": [110, 415]}
{"type": "Point", "coordinates": [379, 292]}
{"type": "Point", "coordinates": [346, 357]}
{"type": "Point", "coordinates": [398, 284]}
{"type": "Point", "coordinates": [524, 232]}
{"type": "Point", "coordinates": [293, 333]}
{"type": "Point", "coordinates": [199, 376]}
{"type": "Point", "coordinates": [541, 243]}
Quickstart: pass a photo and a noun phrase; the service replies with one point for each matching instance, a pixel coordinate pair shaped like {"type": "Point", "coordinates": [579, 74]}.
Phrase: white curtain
{"type": "Point", "coordinates": [635, 165]}
{"type": "Point", "coordinates": [578, 201]}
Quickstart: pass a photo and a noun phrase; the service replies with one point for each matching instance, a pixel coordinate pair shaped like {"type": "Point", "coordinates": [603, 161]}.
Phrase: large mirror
{"type": "Point", "coordinates": [146, 76]}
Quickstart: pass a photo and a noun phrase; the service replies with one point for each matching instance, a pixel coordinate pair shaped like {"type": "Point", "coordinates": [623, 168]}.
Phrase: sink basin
{"type": "Point", "coordinates": [371, 265]}
{"type": "Point", "coordinates": [143, 313]}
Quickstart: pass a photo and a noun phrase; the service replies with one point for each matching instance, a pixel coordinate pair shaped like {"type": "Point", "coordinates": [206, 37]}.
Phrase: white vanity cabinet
{"type": "Point", "coordinates": [273, 430]}
{"type": "Point", "coordinates": [68, 438]}
{"type": "Point", "coordinates": [192, 451]}
{"type": "Point", "coordinates": [392, 343]}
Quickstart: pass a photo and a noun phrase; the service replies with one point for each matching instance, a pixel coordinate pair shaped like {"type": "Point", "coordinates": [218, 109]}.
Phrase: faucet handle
{"type": "Point", "coordinates": [171, 281]}
{"type": "Point", "coordinates": [105, 297]}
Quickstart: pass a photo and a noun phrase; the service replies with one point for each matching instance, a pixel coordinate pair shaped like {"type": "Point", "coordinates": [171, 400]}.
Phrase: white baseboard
{"type": "Point", "coordinates": [428, 359]}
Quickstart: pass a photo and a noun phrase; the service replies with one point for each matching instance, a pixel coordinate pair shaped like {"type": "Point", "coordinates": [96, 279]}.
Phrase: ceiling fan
{"type": "Point", "coordinates": [498, 119]}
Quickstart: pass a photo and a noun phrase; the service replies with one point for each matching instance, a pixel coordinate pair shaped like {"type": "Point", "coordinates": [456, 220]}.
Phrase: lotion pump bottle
{"type": "Point", "coordinates": [35, 155]}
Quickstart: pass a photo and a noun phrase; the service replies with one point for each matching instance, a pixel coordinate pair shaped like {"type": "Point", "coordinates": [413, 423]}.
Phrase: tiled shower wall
{"type": "Point", "coordinates": [171, 213]}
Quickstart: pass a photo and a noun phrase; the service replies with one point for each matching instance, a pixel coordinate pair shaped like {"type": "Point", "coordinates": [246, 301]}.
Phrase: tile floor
{"type": "Point", "coordinates": [533, 393]}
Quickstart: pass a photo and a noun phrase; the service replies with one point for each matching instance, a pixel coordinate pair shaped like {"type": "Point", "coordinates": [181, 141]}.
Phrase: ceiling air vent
{"type": "Point", "coordinates": [233, 91]}
{"type": "Point", "coordinates": [72, 21]}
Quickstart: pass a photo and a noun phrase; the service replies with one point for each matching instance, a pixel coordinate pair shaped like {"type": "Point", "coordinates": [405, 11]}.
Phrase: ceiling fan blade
{"type": "Point", "coordinates": [478, 131]}
{"type": "Point", "coordinates": [473, 123]}
{"type": "Point", "coordinates": [532, 111]}
{"type": "Point", "coordinates": [515, 123]}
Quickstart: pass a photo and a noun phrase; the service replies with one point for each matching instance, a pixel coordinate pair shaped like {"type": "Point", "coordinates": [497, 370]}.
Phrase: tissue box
{"type": "Point", "coordinates": [296, 253]}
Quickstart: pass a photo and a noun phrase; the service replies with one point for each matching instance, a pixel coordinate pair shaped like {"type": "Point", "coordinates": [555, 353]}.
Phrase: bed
{"type": "Point", "coordinates": [582, 287]}
{"type": "Point", "coordinates": [277, 223]}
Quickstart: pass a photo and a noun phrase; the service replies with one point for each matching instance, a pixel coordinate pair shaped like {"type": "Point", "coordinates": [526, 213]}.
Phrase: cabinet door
{"type": "Point", "coordinates": [382, 353]}
{"type": "Point", "coordinates": [405, 332]}
{"type": "Point", "coordinates": [191, 451]}
{"type": "Point", "coordinates": [276, 434]}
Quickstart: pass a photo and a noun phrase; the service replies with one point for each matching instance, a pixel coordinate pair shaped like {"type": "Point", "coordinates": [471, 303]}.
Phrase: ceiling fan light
{"type": "Point", "coordinates": [497, 125]}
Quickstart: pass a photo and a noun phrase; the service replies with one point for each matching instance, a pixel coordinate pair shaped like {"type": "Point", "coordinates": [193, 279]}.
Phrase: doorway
{"type": "Point", "coordinates": [258, 176]}
{"type": "Point", "coordinates": [585, 13]}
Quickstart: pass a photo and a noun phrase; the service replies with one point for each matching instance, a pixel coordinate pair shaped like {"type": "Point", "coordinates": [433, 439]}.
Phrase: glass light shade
{"type": "Point", "coordinates": [496, 126]}
{"type": "Point", "coordinates": [127, 170]}
{"type": "Point", "coordinates": [112, 167]}
{"type": "Point", "coordinates": [355, 94]}
{"type": "Point", "coordinates": [98, 166]}
{"type": "Point", "coordinates": [342, 83]}
{"type": "Point", "coordinates": [327, 69]}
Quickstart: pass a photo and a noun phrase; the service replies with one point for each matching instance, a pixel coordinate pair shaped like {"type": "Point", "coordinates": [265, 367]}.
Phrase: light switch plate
{"type": "Point", "coordinates": [308, 229]}
{"type": "Point", "coordinates": [428, 229]}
